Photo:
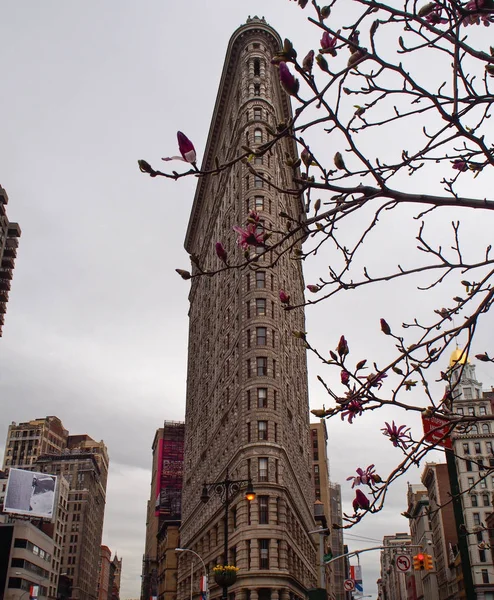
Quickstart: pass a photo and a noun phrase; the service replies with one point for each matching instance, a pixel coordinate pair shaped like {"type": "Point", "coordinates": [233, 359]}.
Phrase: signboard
{"type": "Point", "coordinates": [349, 585]}
{"type": "Point", "coordinates": [30, 493]}
{"type": "Point", "coordinates": [403, 563]}
{"type": "Point", "coordinates": [356, 576]}
{"type": "Point", "coordinates": [436, 431]}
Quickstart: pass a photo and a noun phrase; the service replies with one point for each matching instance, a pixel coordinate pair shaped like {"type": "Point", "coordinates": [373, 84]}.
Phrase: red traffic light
{"type": "Point", "coordinates": [420, 556]}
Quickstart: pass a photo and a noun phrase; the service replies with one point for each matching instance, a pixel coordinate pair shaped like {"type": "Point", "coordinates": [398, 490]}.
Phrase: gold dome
{"type": "Point", "coordinates": [457, 356]}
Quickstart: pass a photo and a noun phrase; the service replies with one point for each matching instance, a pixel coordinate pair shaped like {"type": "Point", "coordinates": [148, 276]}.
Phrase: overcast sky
{"type": "Point", "coordinates": [96, 327]}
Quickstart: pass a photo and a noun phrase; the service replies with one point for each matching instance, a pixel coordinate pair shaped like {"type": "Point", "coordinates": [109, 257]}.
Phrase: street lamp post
{"type": "Point", "coordinates": [191, 565]}
{"type": "Point", "coordinates": [226, 490]}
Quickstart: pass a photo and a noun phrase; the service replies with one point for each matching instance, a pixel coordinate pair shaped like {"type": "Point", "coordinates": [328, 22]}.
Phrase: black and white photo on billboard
{"type": "Point", "coordinates": [30, 493]}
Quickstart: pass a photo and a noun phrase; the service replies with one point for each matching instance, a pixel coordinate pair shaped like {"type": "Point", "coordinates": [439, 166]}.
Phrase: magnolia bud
{"type": "Point", "coordinates": [339, 162]}
{"type": "Point", "coordinates": [183, 274]}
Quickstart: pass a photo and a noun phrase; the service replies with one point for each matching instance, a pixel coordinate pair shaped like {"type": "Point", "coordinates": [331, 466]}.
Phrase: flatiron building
{"type": "Point", "coordinates": [247, 411]}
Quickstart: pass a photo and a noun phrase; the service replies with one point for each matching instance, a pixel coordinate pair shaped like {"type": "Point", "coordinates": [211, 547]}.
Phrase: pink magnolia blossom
{"type": "Point", "coordinates": [186, 148]}
{"type": "Point", "coordinates": [376, 379]}
{"type": "Point", "coordinates": [221, 252]}
{"type": "Point", "coordinates": [399, 436]}
{"type": "Point", "coordinates": [313, 288]}
{"type": "Point", "coordinates": [353, 409]}
{"type": "Point", "coordinates": [284, 297]}
{"type": "Point", "coordinates": [328, 44]}
{"type": "Point", "coordinates": [342, 347]}
{"type": "Point", "coordinates": [253, 216]}
{"type": "Point", "coordinates": [460, 165]}
{"type": "Point", "coordinates": [345, 377]}
{"type": "Point", "coordinates": [365, 477]}
{"type": "Point", "coordinates": [249, 236]}
{"type": "Point", "coordinates": [289, 83]}
{"type": "Point", "coordinates": [360, 501]}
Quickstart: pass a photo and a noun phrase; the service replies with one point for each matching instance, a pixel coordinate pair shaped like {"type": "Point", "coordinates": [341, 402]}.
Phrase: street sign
{"type": "Point", "coordinates": [349, 585]}
{"type": "Point", "coordinates": [436, 431]}
{"type": "Point", "coordinates": [327, 557]}
{"type": "Point", "coordinates": [403, 563]}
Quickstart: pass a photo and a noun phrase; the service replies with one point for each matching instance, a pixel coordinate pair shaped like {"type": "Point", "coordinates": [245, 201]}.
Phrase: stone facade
{"type": "Point", "coordinates": [84, 463]}
{"type": "Point", "coordinates": [247, 402]}
{"type": "Point", "coordinates": [474, 450]}
{"type": "Point", "coordinates": [9, 234]}
{"type": "Point", "coordinates": [330, 495]}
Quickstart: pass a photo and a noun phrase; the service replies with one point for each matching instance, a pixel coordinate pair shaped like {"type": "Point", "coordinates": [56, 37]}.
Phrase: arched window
{"type": "Point", "coordinates": [486, 428]}
{"type": "Point", "coordinates": [257, 136]}
{"type": "Point", "coordinates": [257, 67]}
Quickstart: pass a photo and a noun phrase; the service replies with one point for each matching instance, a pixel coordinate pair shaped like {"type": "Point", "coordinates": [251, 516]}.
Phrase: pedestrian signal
{"type": "Point", "coordinates": [419, 562]}
{"type": "Point", "coordinates": [429, 565]}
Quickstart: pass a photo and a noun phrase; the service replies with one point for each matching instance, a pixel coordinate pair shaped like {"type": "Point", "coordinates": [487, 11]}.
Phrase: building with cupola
{"type": "Point", "coordinates": [473, 446]}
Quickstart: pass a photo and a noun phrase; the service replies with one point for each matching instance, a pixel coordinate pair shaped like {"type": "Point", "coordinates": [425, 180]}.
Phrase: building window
{"type": "Point", "coordinates": [264, 554]}
{"type": "Point", "coordinates": [249, 439]}
{"type": "Point", "coordinates": [248, 399]}
{"type": "Point", "coordinates": [485, 500]}
{"type": "Point", "coordinates": [258, 160]}
{"type": "Point", "coordinates": [248, 309]}
{"type": "Point", "coordinates": [259, 203]}
{"type": "Point", "coordinates": [474, 501]}
{"type": "Point", "coordinates": [483, 484]}
{"type": "Point", "coordinates": [476, 518]}
{"type": "Point", "coordinates": [260, 279]}
{"type": "Point", "coordinates": [486, 428]}
{"type": "Point", "coordinates": [257, 136]}
{"type": "Point", "coordinates": [466, 448]}
{"type": "Point", "coordinates": [276, 433]}
{"type": "Point", "coordinates": [477, 448]}
{"type": "Point", "coordinates": [257, 67]}
{"type": "Point", "coordinates": [488, 446]}
{"type": "Point", "coordinates": [261, 366]}
{"type": "Point", "coordinates": [233, 556]}
{"type": "Point", "coordinates": [262, 397]}
{"type": "Point", "coordinates": [482, 556]}
{"type": "Point", "coordinates": [274, 368]}
{"type": "Point", "coordinates": [261, 336]}
{"type": "Point", "coordinates": [257, 114]}
{"type": "Point", "coordinates": [260, 307]}
{"type": "Point", "coordinates": [247, 333]}
{"type": "Point", "coordinates": [262, 430]}
{"type": "Point", "coordinates": [459, 411]}
{"type": "Point", "coordinates": [257, 89]}
{"type": "Point", "coordinates": [480, 463]}
{"type": "Point", "coordinates": [485, 576]}
{"type": "Point", "coordinates": [471, 482]}
{"type": "Point", "coordinates": [263, 510]}
{"type": "Point", "coordinates": [467, 394]}
{"type": "Point", "coordinates": [258, 182]}
{"type": "Point", "coordinates": [471, 411]}
{"type": "Point", "coordinates": [469, 465]}
{"type": "Point", "coordinates": [482, 410]}
{"type": "Point", "coordinates": [263, 469]}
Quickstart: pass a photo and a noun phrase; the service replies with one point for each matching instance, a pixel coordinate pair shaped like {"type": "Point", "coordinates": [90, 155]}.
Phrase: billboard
{"type": "Point", "coordinates": [30, 493]}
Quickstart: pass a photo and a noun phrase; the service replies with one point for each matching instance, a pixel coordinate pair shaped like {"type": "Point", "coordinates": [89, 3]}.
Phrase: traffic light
{"type": "Point", "coordinates": [419, 562]}
{"type": "Point", "coordinates": [429, 565]}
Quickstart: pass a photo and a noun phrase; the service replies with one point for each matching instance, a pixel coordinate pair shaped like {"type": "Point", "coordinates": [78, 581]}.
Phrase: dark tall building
{"type": "Point", "coordinates": [247, 413]}
{"type": "Point", "coordinates": [9, 234]}
{"type": "Point", "coordinates": [159, 566]}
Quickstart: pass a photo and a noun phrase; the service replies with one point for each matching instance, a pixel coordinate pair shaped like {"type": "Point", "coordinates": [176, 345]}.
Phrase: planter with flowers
{"type": "Point", "coordinates": [225, 575]}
